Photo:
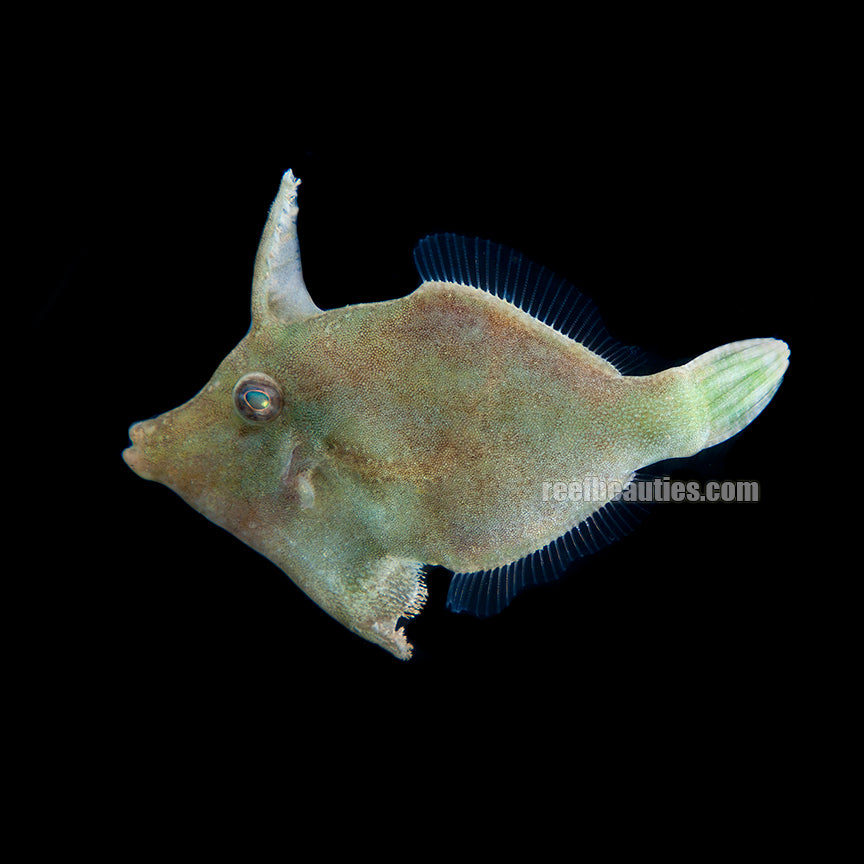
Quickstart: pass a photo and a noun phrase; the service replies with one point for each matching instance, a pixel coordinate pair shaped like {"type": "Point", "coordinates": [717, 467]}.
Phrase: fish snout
{"type": "Point", "coordinates": [136, 455]}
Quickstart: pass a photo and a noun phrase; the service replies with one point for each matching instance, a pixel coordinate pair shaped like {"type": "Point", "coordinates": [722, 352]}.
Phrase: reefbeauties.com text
{"type": "Point", "coordinates": [657, 489]}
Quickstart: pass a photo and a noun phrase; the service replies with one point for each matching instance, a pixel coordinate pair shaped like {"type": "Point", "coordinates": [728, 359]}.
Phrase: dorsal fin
{"type": "Point", "coordinates": [531, 287]}
{"type": "Point", "coordinates": [278, 288]}
{"type": "Point", "coordinates": [487, 592]}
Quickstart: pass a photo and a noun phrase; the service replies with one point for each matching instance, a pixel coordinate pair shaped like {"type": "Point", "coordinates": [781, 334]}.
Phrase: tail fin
{"type": "Point", "coordinates": [737, 381]}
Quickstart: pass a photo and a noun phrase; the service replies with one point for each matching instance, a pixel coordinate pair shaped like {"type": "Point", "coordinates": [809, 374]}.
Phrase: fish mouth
{"type": "Point", "coordinates": [133, 455]}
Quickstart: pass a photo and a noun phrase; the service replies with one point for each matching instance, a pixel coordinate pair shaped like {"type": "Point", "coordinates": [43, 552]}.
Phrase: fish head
{"type": "Point", "coordinates": [221, 450]}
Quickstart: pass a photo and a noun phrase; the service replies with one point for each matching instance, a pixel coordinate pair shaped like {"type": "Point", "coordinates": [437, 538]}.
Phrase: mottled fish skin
{"type": "Point", "coordinates": [355, 446]}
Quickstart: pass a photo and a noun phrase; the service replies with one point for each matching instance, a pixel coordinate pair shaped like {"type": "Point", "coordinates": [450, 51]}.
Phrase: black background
{"type": "Point", "coordinates": [670, 206]}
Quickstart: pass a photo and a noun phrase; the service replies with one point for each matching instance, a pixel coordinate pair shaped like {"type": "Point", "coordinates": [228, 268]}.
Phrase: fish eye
{"type": "Point", "coordinates": [257, 397]}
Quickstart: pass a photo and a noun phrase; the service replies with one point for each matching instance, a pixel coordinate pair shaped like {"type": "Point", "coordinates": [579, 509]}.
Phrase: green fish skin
{"type": "Point", "coordinates": [356, 447]}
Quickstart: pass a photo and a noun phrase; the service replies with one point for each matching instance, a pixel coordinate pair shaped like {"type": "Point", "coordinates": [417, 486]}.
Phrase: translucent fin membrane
{"type": "Point", "coordinates": [487, 592]}
{"type": "Point", "coordinates": [531, 287]}
{"type": "Point", "coordinates": [736, 381]}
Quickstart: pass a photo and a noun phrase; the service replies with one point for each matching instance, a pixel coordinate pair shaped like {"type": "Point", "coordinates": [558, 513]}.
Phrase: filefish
{"type": "Point", "coordinates": [358, 447]}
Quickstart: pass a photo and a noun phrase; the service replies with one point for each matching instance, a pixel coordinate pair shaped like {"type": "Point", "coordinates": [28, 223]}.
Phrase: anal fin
{"type": "Point", "coordinates": [486, 592]}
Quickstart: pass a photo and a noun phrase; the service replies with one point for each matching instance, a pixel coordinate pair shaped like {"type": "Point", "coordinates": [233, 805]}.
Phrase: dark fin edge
{"type": "Point", "coordinates": [531, 287]}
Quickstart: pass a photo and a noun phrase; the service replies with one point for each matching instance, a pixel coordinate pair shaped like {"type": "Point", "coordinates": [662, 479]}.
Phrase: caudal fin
{"type": "Point", "coordinates": [736, 381]}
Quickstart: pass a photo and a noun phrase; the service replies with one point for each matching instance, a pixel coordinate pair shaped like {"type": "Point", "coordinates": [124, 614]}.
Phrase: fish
{"type": "Point", "coordinates": [358, 447]}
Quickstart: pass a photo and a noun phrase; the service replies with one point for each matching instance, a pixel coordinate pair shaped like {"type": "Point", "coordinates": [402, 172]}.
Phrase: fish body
{"type": "Point", "coordinates": [357, 446]}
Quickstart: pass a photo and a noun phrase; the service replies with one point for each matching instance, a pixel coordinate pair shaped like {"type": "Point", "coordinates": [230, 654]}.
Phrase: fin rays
{"type": "Point", "coordinates": [487, 592]}
{"type": "Point", "coordinates": [548, 298]}
{"type": "Point", "coordinates": [531, 287]}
